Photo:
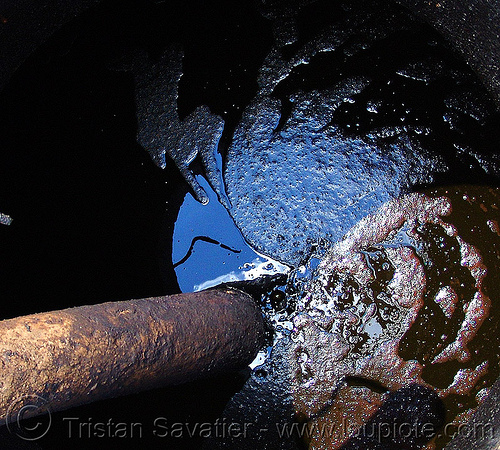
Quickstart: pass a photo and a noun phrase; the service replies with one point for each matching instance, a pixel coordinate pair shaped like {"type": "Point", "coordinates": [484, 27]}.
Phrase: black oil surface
{"type": "Point", "coordinates": [294, 119]}
{"type": "Point", "coordinates": [351, 114]}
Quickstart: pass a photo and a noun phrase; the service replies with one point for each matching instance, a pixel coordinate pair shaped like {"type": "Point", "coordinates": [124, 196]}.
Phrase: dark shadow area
{"type": "Point", "coordinates": [93, 216]}
{"type": "Point", "coordinates": [407, 420]}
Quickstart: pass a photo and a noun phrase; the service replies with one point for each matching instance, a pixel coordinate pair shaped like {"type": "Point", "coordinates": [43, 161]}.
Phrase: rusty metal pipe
{"type": "Point", "coordinates": [80, 355]}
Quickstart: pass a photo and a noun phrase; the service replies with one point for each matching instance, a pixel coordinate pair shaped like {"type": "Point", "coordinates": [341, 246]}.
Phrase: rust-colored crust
{"type": "Point", "coordinates": [80, 355]}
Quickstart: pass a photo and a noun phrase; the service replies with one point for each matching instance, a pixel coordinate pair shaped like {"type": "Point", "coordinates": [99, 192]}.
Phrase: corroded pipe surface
{"type": "Point", "coordinates": [80, 355]}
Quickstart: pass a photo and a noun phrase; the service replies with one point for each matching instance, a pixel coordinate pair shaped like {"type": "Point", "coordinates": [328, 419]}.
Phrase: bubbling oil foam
{"type": "Point", "coordinates": [365, 295]}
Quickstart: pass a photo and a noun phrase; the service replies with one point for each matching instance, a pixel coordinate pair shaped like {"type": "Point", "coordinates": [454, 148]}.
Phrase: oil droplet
{"type": "Point", "coordinates": [446, 299]}
{"type": "Point", "coordinates": [5, 219]}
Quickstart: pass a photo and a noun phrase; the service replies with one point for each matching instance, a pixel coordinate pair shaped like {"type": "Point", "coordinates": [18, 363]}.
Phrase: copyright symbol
{"type": "Point", "coordinates": [21, 410]}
